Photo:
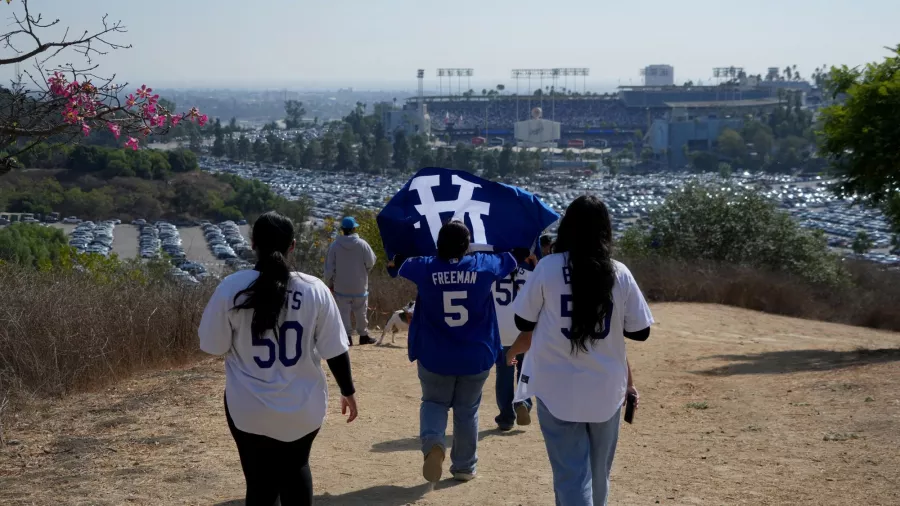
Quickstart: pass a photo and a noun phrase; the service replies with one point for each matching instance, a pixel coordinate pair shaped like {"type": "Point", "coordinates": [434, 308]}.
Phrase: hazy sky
{"type": "Point", "coordinates": [380, 43]}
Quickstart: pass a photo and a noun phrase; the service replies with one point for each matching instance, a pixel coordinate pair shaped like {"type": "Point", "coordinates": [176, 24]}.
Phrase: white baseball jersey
{"type": "Point", "coordinates": [275, 387]}
{"type": "Point", "coordinates": [585, 387]}
{"type": "Point", "coordinates": [505, 291]}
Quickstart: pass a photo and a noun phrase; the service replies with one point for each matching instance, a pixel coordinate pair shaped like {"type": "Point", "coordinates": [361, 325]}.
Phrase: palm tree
{"type": "Point", "coordinates": [787, 72]}
{"type": "Point", "coordinates": [500, 88]}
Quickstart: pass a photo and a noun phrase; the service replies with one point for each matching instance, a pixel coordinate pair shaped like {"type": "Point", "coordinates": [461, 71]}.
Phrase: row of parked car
{"type": "Point", "coordinates": [90, 237]}
{"type": "Point", "coordinates": [164, 237]}
{"type": "Point", "coordinates": [227, 243]}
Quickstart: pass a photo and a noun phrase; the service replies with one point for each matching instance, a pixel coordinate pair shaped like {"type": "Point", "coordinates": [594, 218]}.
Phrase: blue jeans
{"type": "Point", "coordinates": [581, 456]}
{"type": "Point", "coordinates": [505, 386]}
{"type": "Point", "coordinates": [463, 394]}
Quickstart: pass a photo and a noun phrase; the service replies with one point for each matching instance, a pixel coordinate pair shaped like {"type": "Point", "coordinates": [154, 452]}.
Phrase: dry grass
{"type": "Point", "coordinates": [869, 300]}
{"type": "Point", "coordinates": [65, 332]}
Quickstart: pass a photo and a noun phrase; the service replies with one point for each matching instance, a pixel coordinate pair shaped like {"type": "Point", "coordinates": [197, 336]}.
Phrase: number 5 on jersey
{"type": "Point", "coordinates": [281, 353]}
{"type": "Point", "coordinates": [602, 328]}
{"type": "Point", "coordinates": [456, 315]}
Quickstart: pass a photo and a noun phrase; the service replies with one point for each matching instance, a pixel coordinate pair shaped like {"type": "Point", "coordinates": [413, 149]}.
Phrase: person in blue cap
{"type": "Point", "coordinates": [347, 267]}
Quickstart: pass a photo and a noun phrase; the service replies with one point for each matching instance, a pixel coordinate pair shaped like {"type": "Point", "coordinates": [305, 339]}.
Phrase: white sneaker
{"type": "Point", "coordinates": [464, 476]}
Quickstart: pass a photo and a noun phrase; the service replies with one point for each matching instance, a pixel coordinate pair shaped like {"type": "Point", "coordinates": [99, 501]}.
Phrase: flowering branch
{"type": "Point", "coordinates": [62, 102]}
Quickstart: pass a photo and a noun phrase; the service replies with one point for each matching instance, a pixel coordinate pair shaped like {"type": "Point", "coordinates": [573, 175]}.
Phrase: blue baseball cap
{"type": "Point", "coordinates": [349, 223]}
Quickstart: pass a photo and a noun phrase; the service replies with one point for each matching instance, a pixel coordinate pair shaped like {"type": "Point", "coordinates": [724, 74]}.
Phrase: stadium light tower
{"type": "Point", "coordinates": [441, 73]}
{"type": "Point", "coordinates": [420, 74]}
{"type": "Point", "coordinates": [459, 74]}
{"type": "Point", "coordinates": [727, 72]}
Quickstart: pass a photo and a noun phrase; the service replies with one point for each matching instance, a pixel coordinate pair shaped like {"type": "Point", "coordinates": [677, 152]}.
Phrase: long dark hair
{"type": "Point", "coordinates": [453, 240]}
{"type": "Point", "coordinates": [585, 235]}
{"type": "Point", "coordinates": [273, 235]}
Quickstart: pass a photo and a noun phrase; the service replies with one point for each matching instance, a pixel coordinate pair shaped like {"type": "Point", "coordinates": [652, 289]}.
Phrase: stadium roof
{"type": "Point", "coordinates": [720, 104]}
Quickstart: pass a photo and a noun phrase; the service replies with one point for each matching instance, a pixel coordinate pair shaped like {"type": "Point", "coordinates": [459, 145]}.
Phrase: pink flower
{"type": "Point", "coordinates": [149, 110]}
{"type": "Point", "coordinates": [203, 119]}
{"type": "Point", "coordinates": [144, 91]}
{"type": "Point", "coordinates": [132, 143]}
{"type": "Point", "coordinates": [193, 113]}
{"type": "Point", "coordinates": [114, 128]}
{"type": "Point", "coordinates": [175, 120]}
{"type": "Point", "coordinates": [160, 121]}
{"type": "Point", "coordinates": [70, 116]}
{"type": "Point", "coordinates": [85, 129]}
{"type": "Point", "coordinates": [130, 101]}
{"type": "Point", "coordinates": [57, 84]}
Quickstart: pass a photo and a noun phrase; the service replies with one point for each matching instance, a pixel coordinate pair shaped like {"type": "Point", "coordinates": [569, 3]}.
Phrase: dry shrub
{"type": "Point", "coordinates": [387, 295]}
{"type": "Point", "coordinates": [62, 332]}
{"type": "Point", "coordinates": [869, 299]}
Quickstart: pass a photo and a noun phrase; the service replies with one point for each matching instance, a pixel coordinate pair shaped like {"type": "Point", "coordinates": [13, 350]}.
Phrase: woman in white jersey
{"type": "Point", "coordinates": [274, 327]}
{"type": "Point", "coordinates": [575, 312]}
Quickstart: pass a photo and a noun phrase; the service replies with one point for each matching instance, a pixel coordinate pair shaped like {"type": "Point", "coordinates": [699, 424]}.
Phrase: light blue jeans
{"type": "Point", "coordinates": [581, 456]}
{"type": "Point", "coordinates": [463, 394]}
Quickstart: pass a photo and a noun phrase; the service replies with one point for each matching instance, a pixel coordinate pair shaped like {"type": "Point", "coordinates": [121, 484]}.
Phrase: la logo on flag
{"type": "Point", "coordinates": [499, 217]}
{"type": "Point", "coordinates": [464, 205]}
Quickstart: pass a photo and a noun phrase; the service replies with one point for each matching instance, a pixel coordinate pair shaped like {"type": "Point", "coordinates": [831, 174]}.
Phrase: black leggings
{"type": "Point", "coordinates": [274, 468]}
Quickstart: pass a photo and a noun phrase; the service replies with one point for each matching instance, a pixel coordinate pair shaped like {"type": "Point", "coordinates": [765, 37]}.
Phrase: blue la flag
{"type": "Point", "coordinates": [500, 217]}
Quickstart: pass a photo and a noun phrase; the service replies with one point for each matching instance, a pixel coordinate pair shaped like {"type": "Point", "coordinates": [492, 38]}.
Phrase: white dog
{"type": "Point", "coordinates": [399, 321]}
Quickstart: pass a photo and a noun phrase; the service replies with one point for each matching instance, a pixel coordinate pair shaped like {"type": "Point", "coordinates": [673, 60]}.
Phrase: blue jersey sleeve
{"type": "Point", "coordinates": [412, 269]}
{"type": "Point", "coordinates": [500, 265]}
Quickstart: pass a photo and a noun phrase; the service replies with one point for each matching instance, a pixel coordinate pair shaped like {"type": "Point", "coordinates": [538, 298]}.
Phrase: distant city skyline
{"type": "Point", "coordinates": [379, 45]}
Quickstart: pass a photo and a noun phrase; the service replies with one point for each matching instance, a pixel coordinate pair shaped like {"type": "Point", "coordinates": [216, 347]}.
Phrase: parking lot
{"type": "Point", "coordinates": [125, 243]}
{"type": "Point", "coordinates": [809, 200]}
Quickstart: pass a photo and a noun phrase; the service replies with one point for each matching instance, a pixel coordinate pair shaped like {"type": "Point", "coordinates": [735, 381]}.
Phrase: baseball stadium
{"type": "Point", "coordinates": [655, 116]}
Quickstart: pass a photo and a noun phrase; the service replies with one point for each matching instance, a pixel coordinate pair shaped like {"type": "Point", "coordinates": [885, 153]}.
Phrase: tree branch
{"type": "Point", "coordinates": [82, 45]}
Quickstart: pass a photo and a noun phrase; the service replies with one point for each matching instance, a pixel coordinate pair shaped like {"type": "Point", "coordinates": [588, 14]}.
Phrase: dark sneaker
{"type": "Point", "coordinates": [523, 416]}
{"type": "Point", "coordinates": [366, 340]}
{"type": "Point", "coordinates": [504, 428]}
{"type": "Point", "coordinates": [434, 463]}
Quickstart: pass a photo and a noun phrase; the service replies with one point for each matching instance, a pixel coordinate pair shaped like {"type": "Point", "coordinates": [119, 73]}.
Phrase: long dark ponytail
{"type": "Point", "coordinates": [273, 235]}
{"type": "Point", "coordinates": [585, 235]}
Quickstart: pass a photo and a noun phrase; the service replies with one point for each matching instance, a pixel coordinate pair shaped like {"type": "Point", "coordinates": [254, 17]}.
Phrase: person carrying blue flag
{"type": "Point", "coordinates": [455, 339]}
{"type": "Point", "coordinates": [430, 229]}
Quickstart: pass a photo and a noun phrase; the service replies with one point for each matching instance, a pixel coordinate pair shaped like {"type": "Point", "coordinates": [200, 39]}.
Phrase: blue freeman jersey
{"type": "Point", "coordinates": [454, 328]}
{"type": "Point", "coordinates": [505, 291]}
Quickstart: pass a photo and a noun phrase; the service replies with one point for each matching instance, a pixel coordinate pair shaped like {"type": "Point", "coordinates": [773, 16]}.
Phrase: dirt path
{"type": "Point", "coordinates": [784, 412]}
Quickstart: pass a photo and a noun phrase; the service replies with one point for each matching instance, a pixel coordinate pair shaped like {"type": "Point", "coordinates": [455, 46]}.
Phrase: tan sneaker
{"type": "Point", "coordinates": [523, 417]}
{"type": "Point", "coordinates": [434, 463]}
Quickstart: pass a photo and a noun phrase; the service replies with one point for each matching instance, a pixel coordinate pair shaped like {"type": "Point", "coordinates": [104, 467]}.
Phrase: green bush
{"type": "Point", "coordinates": [734, 226]}
{"type": "Point", "coordinates": [32, 245]}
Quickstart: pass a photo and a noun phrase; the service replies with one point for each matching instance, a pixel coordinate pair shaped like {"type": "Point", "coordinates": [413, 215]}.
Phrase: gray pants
{"type": "Point", "coordinates": [358, 306]}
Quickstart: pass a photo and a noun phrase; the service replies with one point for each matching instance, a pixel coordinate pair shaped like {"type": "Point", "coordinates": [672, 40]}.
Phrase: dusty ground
{"type": "Point", "coordinates": [784, 412]}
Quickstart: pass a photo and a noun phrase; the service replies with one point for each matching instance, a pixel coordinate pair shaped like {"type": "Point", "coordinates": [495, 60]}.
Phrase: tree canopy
{"type": "Point", "coordinates": [861, 136]}
{"type": "Point", "coordinates": [711, 223]}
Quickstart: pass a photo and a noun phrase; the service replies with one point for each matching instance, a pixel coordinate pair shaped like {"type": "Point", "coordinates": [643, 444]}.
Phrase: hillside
{"type": "Point", "coordinates": [797, 412]}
